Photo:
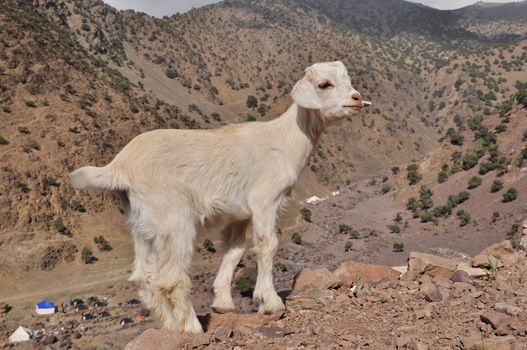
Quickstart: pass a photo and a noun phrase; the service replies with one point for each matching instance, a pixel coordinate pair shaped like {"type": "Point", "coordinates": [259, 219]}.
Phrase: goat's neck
{"type": "Point", "coordinates": [301, 133]}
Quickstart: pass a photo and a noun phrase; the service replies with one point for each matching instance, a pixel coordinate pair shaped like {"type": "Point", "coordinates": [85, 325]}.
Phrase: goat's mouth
{"type": "Point", "coordinates": [354, 107]}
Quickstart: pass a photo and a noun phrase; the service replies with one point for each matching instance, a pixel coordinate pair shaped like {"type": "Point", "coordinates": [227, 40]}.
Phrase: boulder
{"type": "Point", "coordinates": [511, 310]}
{"type": "Point", "coordinates": [485, 260]}
{"type": "Point", "coordinates": [166, 340]}
{"type": "Point", "coordinates": [431, 292]}
{"type": "Point", "coordinates": [471, 271]}
{"type": "Point", "coordinates": [315, 279]}
{"type": "Point", "coordinates": [499, 250]}
{"type": "Point", "coordinates": [498, 321]}
{"type": "Point", "coordinates": [477, 342]}
{"type": "Point", "coordinates": [431, 265]}
{"type": "Point", "coordinates": [351, 272]}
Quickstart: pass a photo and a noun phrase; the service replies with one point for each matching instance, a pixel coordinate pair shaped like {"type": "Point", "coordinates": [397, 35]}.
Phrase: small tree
{"type": "Point", "coordinates": [495, 216]}
{"type": "Point", "coordinates": [61, 228]}
{"type": "Point", "coordinates": [296, 238]}
{"type": "Point", "coordinates": [464, 217]}
{"type": "Point", "coordinates": [496, 186]}
{"type": "Point", "coordinates": [252, 101]}
{"type": "Point", "coordinates": [102, 244]}
{"type": "Point", "coordinates": [209, 245]}
{"type": "Point", "coordinates": [510, 195]}
{"type": "Point", "coordinates": [306, 214]}
{"type": "Point", "coordinates": [345, 229]}
{"type": "Point", "coordinates": [77, 205]}
{"type": "Point", "coordinates": [87, 256]}
{"type": "Point", "coordinates": [398, 247]}
{"type": "Point", "coordinates": [394, 228]}
{"type": "Point", "coordinates": [474, 182]}
{"type": "Point", "coordinates": [425, 197]}
{"type": "Point", "coordinates": [348, 246]}
{"type": "Point", "coordinates": [413, 175]}
{"type": "Point", "coordinates": [245, 287]}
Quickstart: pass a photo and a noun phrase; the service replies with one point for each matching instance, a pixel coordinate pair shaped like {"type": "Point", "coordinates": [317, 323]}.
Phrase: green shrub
{"type": "Point", "coordinates": [426, 216]}
{"type": "Point", "coordinates": [510, 195]}
{"type": "Point", "coordinates": [413, 175]}
{"type": "Point", "coordinates": [102, 244]}
{"type": "Point", "coordinates": [87, 256]}
{"type": "Point", "coordinates": [345, 229]}
{"type": "Point", "coordinates": [398, 247]}
{"type": "Point", "coordinates": [398, 218]}
{"type": "Point", "coordinates": [171, 73]}
{"type": "Point", "coordinates": [496, 186]}
{"type": "Point", "coordinates": [77, 205]}
{"type": "Point", "coordinates": [252, 101]}
{"type": "Point", "coordinates": [354, 234]}
{"type": "Point", "coordinates": [385, 188]}
{"type": "Point", "coordinates": [495, 216]}
{"type": "Point", "coordinates": [348, 246]}
{"type": "Point", "coordinates": [474, 182]}
{"type": "Point", "coordinates": [306, 214]}
{"type": "Point", "coordinates": [209, 245]}
{"type": "Point", "coordinates": [470, 160]}
{"type": "Point", "coordinates": [296, 238]}
{"type": "Point", "coordinates": [514, 229]}
{"type": "Point", "coordinates": [280, 266]}
{"type": "Point", "coordinates": [464, 217]}
{"type": "Point", "coordinates": [394, 228]}
{"type": "Point", "coordinates": [61, 228]}
{"type": "Point", "coordinates": [245, 286]}
{"type": "Point", "coordinates": [425, 197]}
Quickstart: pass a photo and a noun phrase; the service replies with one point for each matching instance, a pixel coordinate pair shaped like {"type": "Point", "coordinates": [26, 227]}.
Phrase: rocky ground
{"type": "Point", "coordinates": [438, 303]}
{"type": "Point", "coordinates": [433, 302]}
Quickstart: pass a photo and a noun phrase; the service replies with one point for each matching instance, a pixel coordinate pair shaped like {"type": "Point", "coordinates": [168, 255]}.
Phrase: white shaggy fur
{"type": "Point", "coordinates": [175, 181]}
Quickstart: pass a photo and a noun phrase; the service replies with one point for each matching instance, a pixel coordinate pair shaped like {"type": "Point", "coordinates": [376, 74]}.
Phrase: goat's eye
{"type": "Point", "coordinates": [325, 85]}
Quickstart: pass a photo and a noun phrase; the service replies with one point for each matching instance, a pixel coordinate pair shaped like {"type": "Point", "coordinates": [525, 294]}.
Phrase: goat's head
{"type": "Point", "coordinates": [327, 87]}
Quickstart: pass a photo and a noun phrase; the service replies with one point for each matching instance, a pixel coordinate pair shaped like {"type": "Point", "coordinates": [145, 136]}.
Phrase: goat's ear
{"type": "Point", "coordinates": [305, 95]}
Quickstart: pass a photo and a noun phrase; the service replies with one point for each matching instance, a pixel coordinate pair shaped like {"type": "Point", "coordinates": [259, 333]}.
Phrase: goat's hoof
{"type": "Point", "coordinates": [222, 310]}
{"type": "Point", "coordinates": [272, 307]}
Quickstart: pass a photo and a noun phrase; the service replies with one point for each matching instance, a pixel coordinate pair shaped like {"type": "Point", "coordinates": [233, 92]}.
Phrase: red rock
{"type": "Point", "coordinates": [431, 265]}
{"type": "Point", "coordinates": [353, 272]}
{"type": "Point", "coordinates": [165, 340]}
{"type": "Point", "coordinates": [484, 261]}
{"type": "Point", "coordinates": [315, 279]}
{"type": "Point", "coordinates": [310, 298]}
{"type": "Point", "coordinates": [498, 321]}
{"type": "Point", "coordinates": [477, 342]}
{"type": "Point", "coordinates": [499, 250]}
{"type": "Point", "coordinates": [431, 292]}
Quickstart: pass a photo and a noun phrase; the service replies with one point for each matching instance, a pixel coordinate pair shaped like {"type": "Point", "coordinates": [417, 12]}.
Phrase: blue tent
{"type": "Point", "coordinates": [45, 304]}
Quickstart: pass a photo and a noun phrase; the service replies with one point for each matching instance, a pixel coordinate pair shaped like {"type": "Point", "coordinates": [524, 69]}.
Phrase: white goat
{"type": "Point", "coordinates": [174, 182]}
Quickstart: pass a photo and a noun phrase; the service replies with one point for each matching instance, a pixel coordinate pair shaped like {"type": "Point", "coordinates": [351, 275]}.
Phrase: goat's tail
{"type": "Point", "coordinates": [92, 178]}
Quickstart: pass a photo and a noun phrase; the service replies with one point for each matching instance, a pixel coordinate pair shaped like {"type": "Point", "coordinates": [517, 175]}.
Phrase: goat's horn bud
{"type": "Point", "coordinates": [366, 103]}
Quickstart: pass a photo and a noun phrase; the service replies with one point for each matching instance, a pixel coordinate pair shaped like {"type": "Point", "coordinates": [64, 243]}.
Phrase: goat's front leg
{"type": "Point", "coordinates": [234, 237]}
{"type": "Point", "coordinates": [265, 245]}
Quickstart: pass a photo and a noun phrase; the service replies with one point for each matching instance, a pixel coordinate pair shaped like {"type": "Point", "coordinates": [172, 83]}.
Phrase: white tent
{"type": "Point", "coordinates": [21, 334]}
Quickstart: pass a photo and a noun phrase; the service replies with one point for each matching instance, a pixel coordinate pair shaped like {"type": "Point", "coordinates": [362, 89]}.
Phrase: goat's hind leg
{"type": "Point", "coordinates": [234, 237]}
{"type": "Point", "coordinates": [145, 273]}
{"type": "Point", "coordinates": [175, 246]}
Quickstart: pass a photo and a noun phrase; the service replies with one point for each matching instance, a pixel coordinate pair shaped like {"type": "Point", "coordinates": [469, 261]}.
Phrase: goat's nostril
{"type": "Point", "coordinates": [356, 96]}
